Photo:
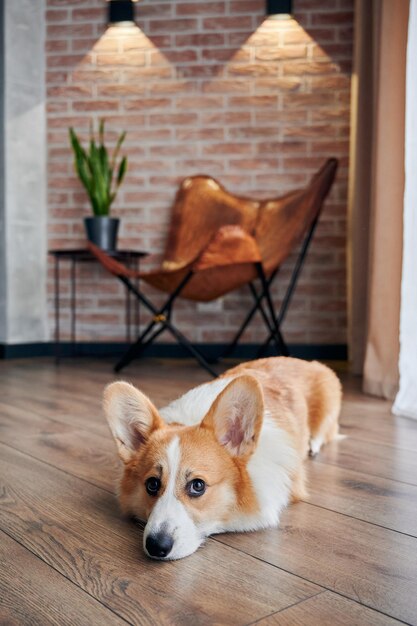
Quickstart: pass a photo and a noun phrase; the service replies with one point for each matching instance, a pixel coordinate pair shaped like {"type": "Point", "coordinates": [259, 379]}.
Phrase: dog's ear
{"type": "Point", "coordinates": [236, 416]}
{"type": "Point", "coordinates": [131, 417]}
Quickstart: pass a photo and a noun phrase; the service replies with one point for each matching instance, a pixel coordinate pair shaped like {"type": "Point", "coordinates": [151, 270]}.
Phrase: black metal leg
{"type": "Point", "coordinates": [134, 350]}
{"type": "Point", "coordinates": [127, 316]}
{"type": "Point", "coordinates": [165, 321]}
{"type": "Point", "coordinates": [137, 308]}
{"type": "Point", "coordinates": [73, 306]}
{"type": "Point", "coordinates": [275, 326]}
{"type": "Point", "coordinates": [260, 308]}
{"type": "Point", "coordinates": [57, 312]}
{"type": "Point", "coordinates": [258, 299]}
{"type": "Point", "coordinates": [293, 282]}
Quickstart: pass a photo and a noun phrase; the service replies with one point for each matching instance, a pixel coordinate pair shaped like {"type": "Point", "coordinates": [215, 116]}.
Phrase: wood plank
{"type": "Point", "coordinates": [369, 498]}
{"type": "Point", "coordinates": [33, 593]}
{"type": "Point", "coordinates": [75, 398]}
{"type": "Point", "coordinates": [85, 454]}
{"type": "Point", "coordinates": [375, 459]}
{"type": "Point", "coordinates": [76, 528]}
{"type": "Point", "coordinates": [370, 419]}
{"type": "Point", "coordinates": [328, 608]}
{"type": "Point", "coordinates": [370, 565]}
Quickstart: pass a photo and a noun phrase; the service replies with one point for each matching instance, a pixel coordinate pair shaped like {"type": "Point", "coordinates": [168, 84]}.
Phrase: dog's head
{"type": "Point", "coordinates": [186, 481]}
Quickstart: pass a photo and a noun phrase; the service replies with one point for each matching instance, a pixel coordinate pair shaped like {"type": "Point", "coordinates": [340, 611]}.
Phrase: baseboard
{"type": "Point", "coordinates": [324, 352]}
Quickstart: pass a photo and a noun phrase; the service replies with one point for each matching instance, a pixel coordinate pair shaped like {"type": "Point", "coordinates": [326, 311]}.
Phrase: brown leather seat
{"type": "Point", "coordinates": [218, 241]}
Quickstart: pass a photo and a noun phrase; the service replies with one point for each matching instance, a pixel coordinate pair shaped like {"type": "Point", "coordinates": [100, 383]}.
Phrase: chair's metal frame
{"type": "Point", "coordinates": [263, 303]}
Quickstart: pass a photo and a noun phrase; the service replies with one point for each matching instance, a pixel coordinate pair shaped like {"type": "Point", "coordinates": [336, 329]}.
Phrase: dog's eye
{"type": "Point", "coordinates": [196, 487]}
{"type": "Point", "coordinates": [153, 485]}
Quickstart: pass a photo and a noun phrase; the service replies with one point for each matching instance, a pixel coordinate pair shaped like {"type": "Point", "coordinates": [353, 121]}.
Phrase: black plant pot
{"type": "Point", "coordinates": [102, 231]}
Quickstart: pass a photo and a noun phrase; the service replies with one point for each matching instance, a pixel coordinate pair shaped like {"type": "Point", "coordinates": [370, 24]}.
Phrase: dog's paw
{"type": "Point", "coordinates": [315, 445]}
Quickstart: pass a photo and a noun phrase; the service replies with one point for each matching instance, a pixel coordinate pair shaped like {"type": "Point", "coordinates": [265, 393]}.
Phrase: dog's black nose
{"type": "Point", "coordinates": [159, 545]}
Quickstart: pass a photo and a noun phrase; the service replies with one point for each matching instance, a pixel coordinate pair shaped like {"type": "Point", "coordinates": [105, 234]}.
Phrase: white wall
{"type": "Point", "coordinates": [23, 224]}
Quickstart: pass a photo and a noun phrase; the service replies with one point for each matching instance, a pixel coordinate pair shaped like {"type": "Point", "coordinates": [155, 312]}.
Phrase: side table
{"type": "Point", "coordinates": [130, 257]}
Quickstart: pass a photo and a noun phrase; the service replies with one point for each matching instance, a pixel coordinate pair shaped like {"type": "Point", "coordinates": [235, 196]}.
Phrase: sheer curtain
{"type": "Point", "coordinates": [406, 400]}
{"type": "Point", "coordinates": [376, 191]}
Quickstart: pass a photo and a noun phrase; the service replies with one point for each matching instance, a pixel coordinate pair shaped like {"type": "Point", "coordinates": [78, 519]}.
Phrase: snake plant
{"type": "Point", "coordinates": [97, 171]}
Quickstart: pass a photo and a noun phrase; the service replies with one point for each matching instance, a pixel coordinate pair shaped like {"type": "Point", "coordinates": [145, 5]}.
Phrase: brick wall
{"type": "Point", "coordinates": [202, 87]}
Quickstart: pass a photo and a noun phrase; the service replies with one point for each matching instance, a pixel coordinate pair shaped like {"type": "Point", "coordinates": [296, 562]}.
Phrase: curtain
{"type": "Point", "coordinates": [376, 190]}
{"type": "Point", "coordinates": [406, 400]}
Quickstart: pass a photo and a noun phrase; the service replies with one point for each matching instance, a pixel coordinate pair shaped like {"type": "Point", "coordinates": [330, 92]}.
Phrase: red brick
{"type": "Point", "coordinates": [67, 121]}
{"type": "Point", "coordinates": [155, 9]}
{"type": "Point", "coordinates": [63, 31]}
{"type": "Point", "coordinates": [66, 60]}
{"type": "Point", "coordinates": [57, 107]}
{"type": "Point", "coordinates": [199, 102]}
{"type": "Point", "coordinates": [309, 100]}
{"type": "Point", "coordinates": [70, 92]}
{"type": "Point", "coordinates": [113, 58]}
{"type": "Point", "coordinates": [102, 75]}
{"type": "Point", "coordinates": [281, 147]}
{"type": "Point", "coordinates": [57, 45]}
{"type": "Point", "coordinates": [253, 69]}
{"type": "Point", "coordinates": [200, 166]}
{"type": "Point", "coordinates": [95, 14]}
{"type": "Point", "coordinates": [203, 8]}
{"type": "Point", "coordinates": [201, 39]}
{"type": "Point", "coordinates": [172, 26]}
{"type": "Point", "coordinates": [276, 85]}
{"type": "Point", "coordinates": [253, 132]}
{"type": "Point", "coordinates": [56, 77]}
{"type": "Point", "coordinates": [227, 23]}
{"type": "Point", "coordinates": [173, 56]}
{"type": "Point", "coordinates": [277, 53]}
{"type": "Point", "coordinates": [227, 86]}
{"type": "Point", "coordinates": [96, 105]}
{"type": "Point", "coordinates": [246, 6]}
{"type": "Point", "coordinates": [281, 116]}
{"type": "Point", "coordinates": [253, 102]}
{"type": "Point", "coordinates": [199, 134]}
{"type": "Point", "coordinates": [199, 71]}
{"type": "Point", "coordinates": [116, 90]}
{"type": "Point", "coordinates": [332, 18]}
{"type": "Point", "coordinates": [309, 67]}
{"type": "Point", "coordinates": [338, 82]}
{"type": "Point", "coordinates": [57, 15]}
{"type": "Point", "coordinates": [252, 39]}
{"type": "Point", "coordinates": [228, 148]}
{"type": "Point", "coordinates": [131, 73]}
{"type": "Point", "coordinates": [255, 165]}
{"type": "Point", "coordinates": [172, 118]}
{"type": "Point", "coordinates": [167, 150]}
{"type": "Point", "coordinates": [171, 87]}
{"type": "Point", "coordinates": [141, 104]}
{"type": "Point", "coordinates": [227, 118]}
{"type": "Point", "coordinates": [332, 51]}
{"type": "Point", "coordinates": [309, 131]}
{"type": "Point", "coordinates": [225, 54]}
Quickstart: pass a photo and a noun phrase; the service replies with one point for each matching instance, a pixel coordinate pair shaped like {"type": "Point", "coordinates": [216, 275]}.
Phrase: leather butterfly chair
{"type": "Point", "coordinates": [218, 242]}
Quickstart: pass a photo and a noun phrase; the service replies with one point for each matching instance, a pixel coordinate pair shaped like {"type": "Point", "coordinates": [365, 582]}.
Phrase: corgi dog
{"type": "Point", "coordinates": [226, 456]}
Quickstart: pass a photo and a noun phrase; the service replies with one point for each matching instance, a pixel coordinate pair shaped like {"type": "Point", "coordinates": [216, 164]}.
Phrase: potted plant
{"type": "Point", "coordinates": [101, 177]}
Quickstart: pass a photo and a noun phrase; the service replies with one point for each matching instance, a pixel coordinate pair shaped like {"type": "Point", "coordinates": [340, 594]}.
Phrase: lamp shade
{"type": "Point", "coordinates": [278, 7]}
{"type": "Point", "coordinates": [121, 11]}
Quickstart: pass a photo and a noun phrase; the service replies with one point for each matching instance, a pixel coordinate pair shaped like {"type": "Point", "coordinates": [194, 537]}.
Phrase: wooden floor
{"type": "Point", "coordinates": [346, 556]}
